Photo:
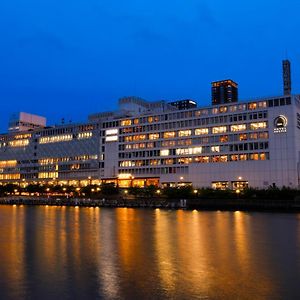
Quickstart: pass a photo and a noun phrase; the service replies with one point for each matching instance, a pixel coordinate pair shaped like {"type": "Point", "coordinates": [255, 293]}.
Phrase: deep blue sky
{"type": "Point", "coordinates": [69, 58]}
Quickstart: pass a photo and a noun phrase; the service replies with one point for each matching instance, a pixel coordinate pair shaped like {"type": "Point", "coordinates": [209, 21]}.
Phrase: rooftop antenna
{"type": "Point", "coordinates": [287, 81]}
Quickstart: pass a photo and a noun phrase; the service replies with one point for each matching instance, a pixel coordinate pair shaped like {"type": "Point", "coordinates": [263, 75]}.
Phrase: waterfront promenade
{"type": "Point", "coordinates": [201, 204]}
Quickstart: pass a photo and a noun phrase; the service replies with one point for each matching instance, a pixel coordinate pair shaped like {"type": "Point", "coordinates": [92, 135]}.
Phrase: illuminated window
{"type": "Point", "coordinates": [253, 136]}
{"type": "Point", "coordinates": [263, 135]}
{"type": "Point", "coordinates": [139, 137]}
{"type": "Point", "coordinates": [184, 160]}
{"type": "Point", "coordinates": [234, 157]}
{"type": "Point", "coordinates": [254, 156]}
{"type": "Point", "coordinates": [45, 175]}
{"type": "Point", "coordinates": [184, 142]}
{"type": "Point", "coordinates": [224, 139]}
{"type": "Point", "coordinates": [220, 129]}
{"type": "Point", "coordinates": [127, 163]}
{"type": "Point", "coordinates": [233, 108]}
{"type": "Point", "coordinates": [153, 136]}
{"type": "Point", "coordinates": [18, 143]}
{"type": "Point", "coordinates": [56, 139]}
{"type": "Point", "coordinates": [164, 152]}
{"type": "Point", "coordinates": [9, 176]}
{"type": "Point", "coordinates": [111, 131]}
{"type": "Point", "coordinates": [262, 156]}
{"type": "Point", "coordinates": [126, 122]}
{"type": "Point", "coordinates": [22, 136]}
{"type": "Point", "coordinates": [112, 138]}
{"type": "Point", "coordinates": [222, 158]}
{"type": "Point", "coordinates": [262, 104]}
{"type": "Point", "coordinates": [202, 159]}
{"type": "Point", "coordinates": [252, 106]}
{"type": "Point", "coordinates": [215, 149]}
{"type": "Point", "coordinates": [189, 151]}
{"type": "Point", "coordinates": [239, 127]}
{"type": "Point", "coordinates": [182, 133]}
{"type": "Point", "coordinates": [243, 137]}
{"type": "Point", "coordinates": [85, 135]}
{"type": "Point", "coordinates": [243, 157]}
{"type": "Point", "coordinates": [220, 185]}
{"type": "Point", "coordinates": [201, 131]}
{"type": "Point", "coordinates": [258, 125]}
{"type": "Point", "coordinates": [169, 161]}
{"type": "Point", "coordinates": [168, 143]}
{"type": "Point", "coordinates": [154, 162]}
{"type": "Point", "coordinates": [223, 109]}
{"type": "Point", "coordinates": [169, 135]}
{"type": "Point", "coordinates": [128, 138]}
{"type": "Point", "coordinates": [8, 163]}
{"type": "Point", "coordinates": [136, 121]}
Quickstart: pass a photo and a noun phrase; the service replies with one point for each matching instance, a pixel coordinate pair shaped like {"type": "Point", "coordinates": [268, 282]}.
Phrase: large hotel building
{"type": "Point", "coordinates": [229, 144]}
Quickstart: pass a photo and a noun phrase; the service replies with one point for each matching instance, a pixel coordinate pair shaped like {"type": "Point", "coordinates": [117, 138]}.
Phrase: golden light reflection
{"type": "Point", "coordinates": [12, 259]}
{"type": "Point", "coordinates": [106, 260]}
{"type": "Point", "coordinates": [200, 254]}
{"type": "Point", "coordinates": [164, 251]}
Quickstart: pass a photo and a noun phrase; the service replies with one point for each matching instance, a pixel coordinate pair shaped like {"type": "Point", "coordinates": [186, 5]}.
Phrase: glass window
{"type": "Point", "coordinates": [220, 129]}
{"type": "Point", "coordinates": [201, 131]}
{"type": "Point", "coordinates": [239, 127]}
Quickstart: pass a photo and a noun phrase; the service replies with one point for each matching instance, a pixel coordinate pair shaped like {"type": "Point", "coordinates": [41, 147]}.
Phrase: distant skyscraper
{"type": "Point", "coordinates": [225, 91]}
{"type": "Point", "coordinates": [287, 82]}
{"type": "Point", "coordinates": [184, 104]}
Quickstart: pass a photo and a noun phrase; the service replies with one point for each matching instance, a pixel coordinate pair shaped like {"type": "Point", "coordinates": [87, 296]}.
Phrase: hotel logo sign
{"type": "Point", "coordinates": [280, 124]}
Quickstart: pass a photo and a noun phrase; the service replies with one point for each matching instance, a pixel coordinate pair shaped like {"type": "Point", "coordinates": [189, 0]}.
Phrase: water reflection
{"type": "Point", "coordinates": [54, 252]}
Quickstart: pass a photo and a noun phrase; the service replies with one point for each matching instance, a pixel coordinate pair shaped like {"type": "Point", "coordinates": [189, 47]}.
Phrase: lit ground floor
{"type": "Point", "coordinates": [234, 175]}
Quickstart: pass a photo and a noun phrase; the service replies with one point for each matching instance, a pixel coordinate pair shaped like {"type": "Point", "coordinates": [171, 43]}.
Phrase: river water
{"type": "Point", "coordinates": [92, 253]}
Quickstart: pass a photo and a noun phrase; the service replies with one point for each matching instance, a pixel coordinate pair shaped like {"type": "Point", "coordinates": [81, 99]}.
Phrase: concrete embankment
{"type": "Point", "coordinates": [200, 204]}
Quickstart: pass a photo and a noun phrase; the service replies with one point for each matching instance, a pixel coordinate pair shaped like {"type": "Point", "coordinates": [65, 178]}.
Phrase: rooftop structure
{"type": "Point", "coordinates": [287, 81]}
{"type": "Point", "coordinates": [184, 104]}
{"type": "Point", "coordinates": [23, 121]}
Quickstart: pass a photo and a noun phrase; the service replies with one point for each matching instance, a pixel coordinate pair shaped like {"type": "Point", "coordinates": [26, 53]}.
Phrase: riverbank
{"type": "Point", "coordinates": [190, 204]}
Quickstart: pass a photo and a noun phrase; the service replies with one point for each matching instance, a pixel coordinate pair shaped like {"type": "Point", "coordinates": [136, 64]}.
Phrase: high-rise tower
{"type": "Point", "coordinates": [287, 82]}
{"type": "Point", "coordinates": [225, 91]}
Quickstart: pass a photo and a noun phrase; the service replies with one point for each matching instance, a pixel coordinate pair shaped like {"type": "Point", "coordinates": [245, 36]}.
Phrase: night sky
{"type": "Point", "coordinates": [69, 58]}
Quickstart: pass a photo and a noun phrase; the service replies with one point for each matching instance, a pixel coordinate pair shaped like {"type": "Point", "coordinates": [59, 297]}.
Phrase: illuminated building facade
{"type": "Point", "coordinates": [230, 145]}
{"type": "Point", "coordinates": [252, 143]}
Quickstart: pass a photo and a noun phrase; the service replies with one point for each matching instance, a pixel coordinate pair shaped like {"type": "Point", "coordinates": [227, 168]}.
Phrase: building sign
{"type": "Point", "coordinates": [280, 124]}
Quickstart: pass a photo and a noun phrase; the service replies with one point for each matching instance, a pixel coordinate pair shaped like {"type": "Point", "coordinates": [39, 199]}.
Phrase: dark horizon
{"type": "Point", "coordinates": [68, 60]}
